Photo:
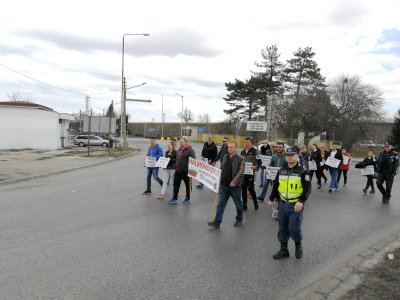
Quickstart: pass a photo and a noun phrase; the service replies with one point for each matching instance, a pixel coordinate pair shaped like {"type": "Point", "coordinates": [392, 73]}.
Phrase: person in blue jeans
{"type": "Point", "coordinates": [232, 169]}
{"type": "Point", "coordinates": [334, 153]}
{"type": "Point", "coordinates": [154, 151]}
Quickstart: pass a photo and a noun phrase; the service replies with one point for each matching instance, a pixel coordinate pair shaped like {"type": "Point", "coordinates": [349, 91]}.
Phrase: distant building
{"type": "Point", "coordinates": [27, 125]}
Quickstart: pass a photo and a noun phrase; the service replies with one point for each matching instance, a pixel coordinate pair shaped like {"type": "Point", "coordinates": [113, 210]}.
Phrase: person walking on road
{"type": "Point", "coordinates": [223, 150]}
{"type": "Point", "coordinates": [370, 160]}
{"type": "Point", "coordinates": [208, 154]}
{"type": "Point", "coordinates": [324, 156]}
{"type": "Point", "coordinates": [156, 152]}
{"type": "Point", "coordinates": [344, 168]}
{"type": "Point", "coordinates": [263, 151]}
{"type": "Point", "coordinates": [334, 153]}
{"type": "Point", "coordinates": [304, 156]}
{"type": "Point", "coordinates": [291, 189]}
{"type": "Point", "coordinates": [249, 153]}
{"type": "Point", "coordinates": [387, 167]}
{"type": "Point", "coordinates": [230, 186]}
{"type": "Point", "coordinates": [181, 171]}
{"type": "Point", "coordinates": [315, 156]}
{"type": "Point", "coordinates": [267, 182]}
{"type": "Point", "coordinates": [169, 171]}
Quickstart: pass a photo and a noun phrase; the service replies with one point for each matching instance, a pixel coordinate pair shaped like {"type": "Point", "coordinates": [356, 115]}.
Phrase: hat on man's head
{"type": "Point", "coordinates": [388, 144]}
{"type": "Point", "coordinates": [291, 151]}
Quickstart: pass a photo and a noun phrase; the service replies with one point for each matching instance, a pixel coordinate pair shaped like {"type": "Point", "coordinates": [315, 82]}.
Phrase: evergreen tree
{"type": "Point", "coordinates": [395, 132]}
{"type": "Point", "coordinates": [302, 73]}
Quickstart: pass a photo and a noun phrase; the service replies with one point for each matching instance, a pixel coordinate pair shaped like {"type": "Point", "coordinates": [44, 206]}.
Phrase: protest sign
{"type": "Point", "coordinates": [312, 165]}
{"type": "Point", "coordinates": [322, 162]}
{"type": "Point", "coordinates": [162, 162]}
{"type": "Point", "coordinates": [345, 159]}
{"type": "Point", "coordinates": [368, 170]}
{"type": "Point", "coordinates": [248, 168]}
{"type": "Point", "coordinates": [266, 160]}
{"type": "Point", "coordinates": [332, 162]}
{"type": "Point", "coordinates": [150, 162]}
{"type": "Point", "coordinates": [206, 174]}
{"type": "Point", "coordinates": [271, 172]}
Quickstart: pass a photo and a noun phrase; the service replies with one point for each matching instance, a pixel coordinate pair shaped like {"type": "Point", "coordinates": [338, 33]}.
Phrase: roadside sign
{"type": "Point", "coordinates": [256, 126]}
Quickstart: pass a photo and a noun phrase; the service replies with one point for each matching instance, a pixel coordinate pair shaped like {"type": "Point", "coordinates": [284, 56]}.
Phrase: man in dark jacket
{"type": "Point", "coordinates": [250, 154]}
{"type": "Point", "coordinates": [231, 184]}
{"type": "Point", "coordinates": [181, 171]}
{"type": "Point", "coordinates": [223, 150]}
{"type": "Point", "coordinates": [291, 189]}
{"type": "Point", "coordinates": [209, 154]}
{"type": "Point", "coordinates": [387, 167]}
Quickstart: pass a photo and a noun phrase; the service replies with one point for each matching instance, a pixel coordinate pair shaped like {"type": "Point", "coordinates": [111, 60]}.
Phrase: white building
{"type": "Point", "coordinates": [26, 125]}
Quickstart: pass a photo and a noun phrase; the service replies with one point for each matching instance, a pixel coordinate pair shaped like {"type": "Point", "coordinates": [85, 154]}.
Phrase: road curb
{"type": "Point", "coordinates": [11, 181]}
{"type": "Point", "coordinates": [347, 277]}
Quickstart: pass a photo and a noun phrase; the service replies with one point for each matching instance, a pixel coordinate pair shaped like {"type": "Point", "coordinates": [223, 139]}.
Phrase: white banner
{"type": "Point", "coordinates": [266, 160]}
{"type": "Point", "coordinates": [312, 165]}
{"type": "Point", "coordinates": [150, 162]}
{"type": "Point", "coordinates": [248, 168]}
{"type": "Point", "coordinates": [345, 159]}
{"type": "Point", "coordinates": [332, 162]}
{"type": "Point", "coordinates": [207, 174]}
{"type": "Point", "coordinates": [162, 162]}
{"type": "Point", "coordinates": [322, 162]}
{"type": "Point", "coordinates": [271, 172]}
{"type": "Point", "coordinates": [368, 170]}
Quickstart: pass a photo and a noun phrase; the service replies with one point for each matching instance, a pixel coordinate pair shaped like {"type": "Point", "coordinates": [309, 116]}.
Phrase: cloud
{"type": "Point", "coordinates": [171, 43]}
{"type": "Point", "coordinates": [347, 13]}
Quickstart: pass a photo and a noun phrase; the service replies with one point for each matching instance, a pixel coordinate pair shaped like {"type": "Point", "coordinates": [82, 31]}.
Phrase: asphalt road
{"type": "Point", "coordinates": [91, 234]}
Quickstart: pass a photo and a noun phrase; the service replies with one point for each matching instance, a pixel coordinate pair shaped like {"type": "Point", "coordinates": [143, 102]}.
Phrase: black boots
{"type": "Point", "coordinates": [299, 250]}
{"type": "Point", "coordinates": [283, 252]}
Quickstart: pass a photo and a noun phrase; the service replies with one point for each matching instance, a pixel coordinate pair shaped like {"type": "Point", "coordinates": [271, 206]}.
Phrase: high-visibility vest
{"type": "Point", "coordinates": [290, 187]}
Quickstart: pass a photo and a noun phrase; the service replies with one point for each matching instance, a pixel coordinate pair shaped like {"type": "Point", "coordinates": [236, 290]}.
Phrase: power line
{"type": "Point", "coordinates": [41, 82]}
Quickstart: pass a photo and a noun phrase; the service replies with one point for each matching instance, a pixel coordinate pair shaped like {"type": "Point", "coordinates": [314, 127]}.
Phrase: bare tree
{"type": "Point", "coordinates": [17, 96]}
{"type": "Point", "coordinates": [187, 115]}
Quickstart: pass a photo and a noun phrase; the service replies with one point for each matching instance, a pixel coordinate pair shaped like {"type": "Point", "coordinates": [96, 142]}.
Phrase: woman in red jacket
{"type": "Point", "coordinates": [344, 167]}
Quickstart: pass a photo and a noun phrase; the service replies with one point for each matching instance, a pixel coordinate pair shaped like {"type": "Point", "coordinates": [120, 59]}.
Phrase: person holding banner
{"type": "Point", "coordinates": [181, 171]}
{"type": "Point", "coordinates": [232, 169]}
{"type": "Point", "coordinates": [154, 152]}
{"type": "Point", "coordinates": [250, 154]}
{"type": "Point", "coordinates": [324, 156]}
{"type": "Point", "coordinates": [344, 167]}
{"type": "Point", "coordinates": [291, 189]}
{"type": "Point", "coordinates": [316, 159]}
{"type": "Point", "coordinates": [169, 171]}
{"type": "Point", "coordinates": [370, 160]}
{"type": "Point", "coordinates": [263, 151]}
{"type": "Point", "coordinates": [334, 170]}
{"type": "Point", "coordinates": [208, 154]}
{"type": "Point", "coordinates": [267, 182]}
{"type": "Point", "coordinates": [387, 167]}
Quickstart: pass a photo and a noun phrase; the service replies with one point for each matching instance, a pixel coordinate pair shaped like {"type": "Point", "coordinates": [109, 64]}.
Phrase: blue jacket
{"type": "Point", "coordinates": [155, 152]}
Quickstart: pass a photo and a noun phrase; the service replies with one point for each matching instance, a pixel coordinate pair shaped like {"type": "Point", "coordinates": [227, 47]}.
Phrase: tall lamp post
{"type": "Point", "coordinates": [181, 113]}
{"type": "Point", "coordinates": [123, 91]}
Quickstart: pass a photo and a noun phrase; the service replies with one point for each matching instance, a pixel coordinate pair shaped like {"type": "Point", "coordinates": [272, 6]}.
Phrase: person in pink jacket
{"type": "Point", "coordinates": [344, 167]}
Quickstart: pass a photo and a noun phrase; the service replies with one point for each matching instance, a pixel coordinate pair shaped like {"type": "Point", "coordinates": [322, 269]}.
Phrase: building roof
{"type": "Point", "coordinates": [24, 104]}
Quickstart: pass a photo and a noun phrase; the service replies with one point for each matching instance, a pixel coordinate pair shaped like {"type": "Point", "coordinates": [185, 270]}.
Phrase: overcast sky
{"type": "Point", "coordinates": [194, 47]}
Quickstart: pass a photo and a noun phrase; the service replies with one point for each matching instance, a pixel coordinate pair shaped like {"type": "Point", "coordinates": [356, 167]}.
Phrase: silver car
{"type": "Point", "coordinates": [82, 140]}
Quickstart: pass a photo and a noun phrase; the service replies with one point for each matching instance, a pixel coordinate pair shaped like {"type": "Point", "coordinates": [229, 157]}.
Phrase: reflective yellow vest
{"type": "Point", "coordinates": [290, 187]}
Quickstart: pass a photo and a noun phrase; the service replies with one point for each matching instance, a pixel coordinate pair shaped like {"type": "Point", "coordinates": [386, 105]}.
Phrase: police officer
{"type": "Point", "coordinates": [387, 167]}
{"type": "Point", "coordinates": [291, 189]}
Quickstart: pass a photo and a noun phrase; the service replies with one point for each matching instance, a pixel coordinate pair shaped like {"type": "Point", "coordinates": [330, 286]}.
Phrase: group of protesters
{"type": "Point", "coordinates": [290, 188]}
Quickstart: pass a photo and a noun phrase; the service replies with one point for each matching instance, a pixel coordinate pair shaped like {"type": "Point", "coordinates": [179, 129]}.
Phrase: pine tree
{"type": "Point", "coordinates": [395, 132]}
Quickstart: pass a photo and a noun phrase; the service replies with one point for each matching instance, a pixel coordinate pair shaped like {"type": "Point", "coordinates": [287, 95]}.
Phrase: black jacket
{"type": "Point", "coordinates": [251, 156]}
{"type": "Point", "coordinates": [173, 156]}
{"type": "Point", "coordinates": [182, 161]}
{"type": "Point", "coordinates": [296, 170]}
{"type": "Point", "coordinates": [210, 151]}
{"type": "Point", "coordinates": [316, 156]}
{"type": "Point", "coordinates": [388, 163]}
{"type": "Point", "coordinates": [338, 156]}
{"type": "Point", "coordinates": [237, 169]}
{"type": "Point", "coordinates": [222, 151]}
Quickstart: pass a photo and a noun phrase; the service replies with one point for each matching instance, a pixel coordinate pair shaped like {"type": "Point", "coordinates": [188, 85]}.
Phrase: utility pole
{"type": "Point", "coordinates": [90, 132]}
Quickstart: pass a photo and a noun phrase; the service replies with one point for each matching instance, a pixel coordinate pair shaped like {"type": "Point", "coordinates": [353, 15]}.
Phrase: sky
{"type": "Point", "coordinates": [194, 47]}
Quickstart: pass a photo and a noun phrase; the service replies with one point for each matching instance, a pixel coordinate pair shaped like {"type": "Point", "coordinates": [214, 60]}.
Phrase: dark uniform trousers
{"type": "Point", "coordinates": [289, 222]}
{"type": "Point", "coordinates": [382, 177]}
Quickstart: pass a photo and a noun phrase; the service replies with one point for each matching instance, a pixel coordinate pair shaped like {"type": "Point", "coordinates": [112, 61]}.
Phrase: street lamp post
{"type": "Point", "coordinates": [181, 113]}
{"type": "Point", "coordinates": [123, 91]}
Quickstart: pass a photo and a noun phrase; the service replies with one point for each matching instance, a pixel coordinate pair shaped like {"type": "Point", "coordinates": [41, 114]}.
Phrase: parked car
{"type": "Point", "coordinates": [82, 140]}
